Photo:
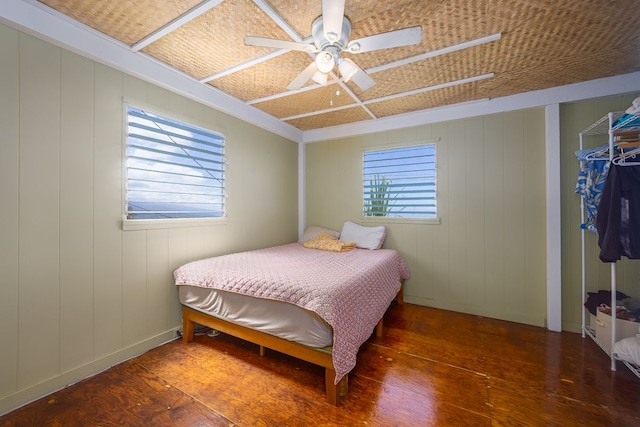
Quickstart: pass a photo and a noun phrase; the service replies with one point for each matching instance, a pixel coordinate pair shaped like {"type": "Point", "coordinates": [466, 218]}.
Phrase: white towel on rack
{"type": "Point", "coordinates": [635, 107]}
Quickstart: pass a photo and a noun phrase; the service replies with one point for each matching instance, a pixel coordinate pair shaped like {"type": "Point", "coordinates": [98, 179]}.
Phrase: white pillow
{"type": "Point", "coordinates": [365, 237]}
{"type": "Point", "coordinates": [314, 231]}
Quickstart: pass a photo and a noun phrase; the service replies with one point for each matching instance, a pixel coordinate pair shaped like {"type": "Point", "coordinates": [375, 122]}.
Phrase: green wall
{"type": "Point", "coordinates": [79, 294]}
{"type": "Point", "coordinates": [487, 254]}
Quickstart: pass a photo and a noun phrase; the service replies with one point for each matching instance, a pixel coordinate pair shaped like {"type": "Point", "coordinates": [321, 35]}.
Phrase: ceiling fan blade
{"type": "Point", "coordinates": [361, 78]}
{"type": "Point", "coordinates": [332, 17]}
{"type": "Point", "coordinates": [303, 77]}
{"type": "Point", "coordinates": [404, 37]}
{"type": "Point", "coordinates": [279, 44]}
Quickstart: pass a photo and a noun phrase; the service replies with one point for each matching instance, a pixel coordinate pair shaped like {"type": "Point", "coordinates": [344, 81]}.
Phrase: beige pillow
{"type": "Point", "coordinates": [326, 242]}
{"type": "Point", "coordinates": [314, 231]}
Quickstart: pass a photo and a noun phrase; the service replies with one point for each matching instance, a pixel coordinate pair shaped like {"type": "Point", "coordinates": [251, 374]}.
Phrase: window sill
{"type": "Point", "coordinates": [397, 220]}
{"type": "Point", "coordinates": [156, 224]}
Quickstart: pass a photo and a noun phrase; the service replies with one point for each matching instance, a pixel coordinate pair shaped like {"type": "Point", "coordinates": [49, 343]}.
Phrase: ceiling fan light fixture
{"type": "Point", "coordinates": [320, 78]}
{"type": "Point", "coordinates": [347, 69]}
{"type": "Point", "coordinates": [325, 62]}
{"type": "Point", "coordinates": [330, 34]}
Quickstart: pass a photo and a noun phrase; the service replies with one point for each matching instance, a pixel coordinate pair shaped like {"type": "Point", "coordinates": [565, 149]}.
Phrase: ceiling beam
{"type": "Point", "coordinates": [278, 19]}
{"type": "Point", "coordinates": [430, 88]}
{"type": "Point", "coordinates": [315, 113]}
{"type": "Point", "coordinates": [355, 97]}
{"type": "Point", "coordinates": [247, 64]}
{"type": "Point", "coordinates": [176, 23]}
{"type": "Point", "coordinates": [435, 53]}
{"type": "Point", "coordinates": [364, 104]}
{"type": "Point", "coordinates": [358, 102]}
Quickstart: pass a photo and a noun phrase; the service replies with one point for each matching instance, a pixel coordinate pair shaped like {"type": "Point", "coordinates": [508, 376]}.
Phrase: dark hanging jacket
{"type": "Point", "coordinates": [618, 218]}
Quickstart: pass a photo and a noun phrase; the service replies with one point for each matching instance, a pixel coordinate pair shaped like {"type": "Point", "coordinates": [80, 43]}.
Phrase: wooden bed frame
{"type": "Point", "coordinates": [317, 356]}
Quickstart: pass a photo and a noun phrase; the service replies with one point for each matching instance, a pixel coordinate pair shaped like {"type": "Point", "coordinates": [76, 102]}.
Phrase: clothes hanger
{"type": "Point", "coordinates": [598, 153]}
{"type": "Point", "coordinates": [621, 159]}
{"type": "Point", "coordinates": [623, 145]}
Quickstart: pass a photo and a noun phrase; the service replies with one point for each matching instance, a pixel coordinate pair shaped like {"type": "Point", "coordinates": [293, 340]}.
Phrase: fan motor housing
{"type": "Point", "coordinates": [321, 42]}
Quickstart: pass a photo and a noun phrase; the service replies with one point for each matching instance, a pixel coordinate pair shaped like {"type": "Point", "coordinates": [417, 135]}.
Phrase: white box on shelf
{"type": "Point", "coordinates": [602, 327]}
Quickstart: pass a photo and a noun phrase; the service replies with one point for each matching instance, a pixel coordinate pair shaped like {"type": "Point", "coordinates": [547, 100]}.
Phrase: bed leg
{"type": "Point", "coordinates": [187, 327]}
{"type": "Point", "coordinates": [261, 350]}
{"type": "Point", "coordinates": [379, 328]}
{"type": "Point", "coordinates": [400, 296]}
{"type": "Point", "coordinates": [333, 390]}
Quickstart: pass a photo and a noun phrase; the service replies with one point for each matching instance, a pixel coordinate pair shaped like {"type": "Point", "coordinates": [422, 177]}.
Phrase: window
{"type": "Point", "coordinates": [174, 169]}
{"type": "Point", "coordinates": [400, 182]}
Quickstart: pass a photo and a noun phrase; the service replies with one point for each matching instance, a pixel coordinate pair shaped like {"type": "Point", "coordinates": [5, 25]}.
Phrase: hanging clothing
{"type": "Point", "coordinates": [591, 182]}
{"type": "Point", "coordinates": [618, 217]}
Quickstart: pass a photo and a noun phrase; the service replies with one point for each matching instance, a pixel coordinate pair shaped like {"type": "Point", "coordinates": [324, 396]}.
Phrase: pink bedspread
{"type": "Point", "coordinates": [350, 290]}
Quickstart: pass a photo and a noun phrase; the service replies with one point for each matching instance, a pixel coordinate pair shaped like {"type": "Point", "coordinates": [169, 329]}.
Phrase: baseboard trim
{"type": "Point", "coordinates": [23, 397]}
{"type": "Point", "coordinates": [478, 311]}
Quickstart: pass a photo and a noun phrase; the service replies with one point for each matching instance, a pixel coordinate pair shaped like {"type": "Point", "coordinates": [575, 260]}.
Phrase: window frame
{"type": "Point", "coordinates": [395, 219]}
{"type": "Point", "coordinates": [165, 223]}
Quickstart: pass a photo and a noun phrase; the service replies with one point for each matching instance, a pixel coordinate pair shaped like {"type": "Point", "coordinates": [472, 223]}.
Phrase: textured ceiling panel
{"type": "Point", "coordinates": [425, 100]}
{"type": "Point", "coordinates": [127, 21]}
{"type": "Point", "coordinates": [298, 14]}
{"type": "Point", "coordinates": [334, 118]}
{"type": "Point", "coordinates": [260, 80]}
{"type": "Point", "coordinates": [442, 69]}
{"type": "Point", "coordinates": [539, 44]}
{"type": "Point", "coordinates": [213, 41]}
{"type": "Point", "coordinates": [317, 100]}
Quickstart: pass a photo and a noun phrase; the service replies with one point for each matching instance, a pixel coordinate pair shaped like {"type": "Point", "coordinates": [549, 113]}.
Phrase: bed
{"type": "Point", "coordinates": [316, 305]}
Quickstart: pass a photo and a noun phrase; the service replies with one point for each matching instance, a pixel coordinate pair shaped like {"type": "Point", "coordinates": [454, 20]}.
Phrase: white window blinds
{"type": "Point", "coordinates": [174, 169]}
{"type": "Point", "coordinates": [400, 182]}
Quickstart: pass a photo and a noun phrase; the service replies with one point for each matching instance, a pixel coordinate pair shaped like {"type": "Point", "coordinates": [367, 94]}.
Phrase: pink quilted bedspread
{"type": "Point", "coordinates": [350, 290]}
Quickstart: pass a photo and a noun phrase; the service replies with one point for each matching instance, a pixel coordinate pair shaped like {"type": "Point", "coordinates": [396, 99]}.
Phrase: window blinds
{"type": "Point", "coordinates": [174, 170]}
{"type": "Point", "coordinates": [400, 182]}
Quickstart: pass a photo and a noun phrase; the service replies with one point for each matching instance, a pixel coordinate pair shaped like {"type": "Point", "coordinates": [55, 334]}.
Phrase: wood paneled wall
{"type": "Point", "coordinates": [487, 254]}
{"type": "Point", "coordinates": [77, 293]}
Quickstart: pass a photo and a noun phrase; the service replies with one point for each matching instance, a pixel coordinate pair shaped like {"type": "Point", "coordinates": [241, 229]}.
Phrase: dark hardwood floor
{"type": "Point", "coordinates": [431, 368]}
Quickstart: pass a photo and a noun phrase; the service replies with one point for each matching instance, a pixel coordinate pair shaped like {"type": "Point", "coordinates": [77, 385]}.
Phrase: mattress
{"type": "Point", "coordinates": [282, 319]}
{"type": "Point", "coordinates": [350, 290]}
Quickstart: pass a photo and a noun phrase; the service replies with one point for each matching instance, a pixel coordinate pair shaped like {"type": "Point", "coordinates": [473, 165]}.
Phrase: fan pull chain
{"type": "Point", "coordinates": [337, 94]}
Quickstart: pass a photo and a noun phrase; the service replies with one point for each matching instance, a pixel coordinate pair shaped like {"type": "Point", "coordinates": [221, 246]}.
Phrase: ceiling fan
{"type": "Point", "coordinates": [331, 33]}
